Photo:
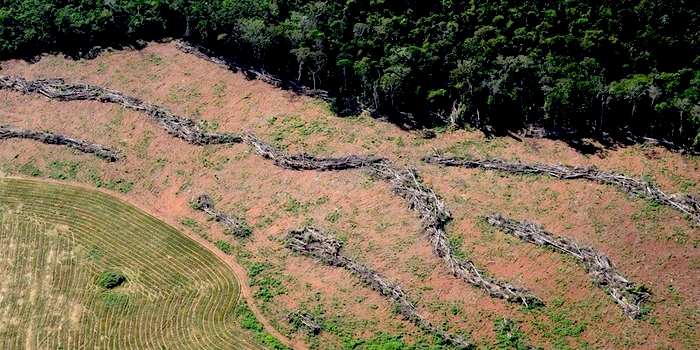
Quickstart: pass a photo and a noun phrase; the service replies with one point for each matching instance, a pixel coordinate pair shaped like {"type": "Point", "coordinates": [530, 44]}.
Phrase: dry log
{"type": "Point", "coordinates": [7, 132]}
{"type": "Point", "coordinates": [628, 295]}
{"type": "Point", "coordinates": [238, 228]}
{"type": "Point", "coordinates": [306, 320]}
{"type": "Point", "coordinates": [315, 244]}
{"type": "Point", "coordinates": [684, 202]}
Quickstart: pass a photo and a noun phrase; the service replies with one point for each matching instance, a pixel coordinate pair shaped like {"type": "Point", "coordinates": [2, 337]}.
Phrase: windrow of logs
{"type": "Point", "coordinates": [237, 228]}
{"type": "Point", "coordinates": [622, 136]}
{"type": "Point", "coordinates": [684, 202]}
{"type": "Point", "coordinates": [628, 295]}
{"type": "Point", "coordinates": [404, 181]}
{"type": "Point", "coordinates": [313, 243]}
{"type": "Point", "coordinates": [305, 161]}
{"type": "Point", "coordinates": [435, 215]}
{"type": "Point", "coordinates": [180, 127]}
{"type": "Point", "coordinates": [7, 132]}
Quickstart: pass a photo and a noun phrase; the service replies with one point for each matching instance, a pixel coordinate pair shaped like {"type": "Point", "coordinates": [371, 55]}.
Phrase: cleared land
{"type": "Point", "coordinates": [654, 245]}
{"type": "Point", "coordinates": [58, 240]}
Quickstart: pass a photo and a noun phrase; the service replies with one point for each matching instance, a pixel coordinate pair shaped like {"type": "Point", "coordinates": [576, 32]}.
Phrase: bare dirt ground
{"type": "Point", "coordinates": [651, 245]}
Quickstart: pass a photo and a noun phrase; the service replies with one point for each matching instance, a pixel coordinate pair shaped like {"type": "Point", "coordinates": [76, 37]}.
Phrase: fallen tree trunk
{"type": "Point", "coordinates": [7, 132]}
{"type": "Point", "coordinates": [315, 244]}
{"type": "Point", "coordinates": [306, 320]}
{"type": "Point", "coordinates": [629, 296]}
{"type": "Point", "coordinates": [237, 227]}
{"type": "Point", "coordinates": [686, 203]}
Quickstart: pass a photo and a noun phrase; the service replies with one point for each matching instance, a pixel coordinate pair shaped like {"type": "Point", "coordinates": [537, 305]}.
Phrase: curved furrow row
{"type": "Point", "coordinates": [192, 309]}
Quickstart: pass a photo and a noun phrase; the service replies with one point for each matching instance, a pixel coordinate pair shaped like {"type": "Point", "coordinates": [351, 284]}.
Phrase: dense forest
{"type": "Point", "coordinates": [594, 66]}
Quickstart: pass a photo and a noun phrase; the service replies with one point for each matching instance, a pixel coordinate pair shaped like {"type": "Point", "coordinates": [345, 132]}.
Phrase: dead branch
{"type": "Point", "coordinates": [103, 152]}
{"type": "Point", "coordinates": [629, 296]}
{"type": "Point", "coordinates": [684, 202]}
{"type": "Point", "coordinates": [238, 227]}
{"type": "Point", "coordinates": [313, 243]}
{"type": "Point", "coordinates": [306, 320]}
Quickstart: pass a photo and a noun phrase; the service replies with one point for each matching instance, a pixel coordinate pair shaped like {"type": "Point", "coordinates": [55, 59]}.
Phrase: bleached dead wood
{"type": "Point", "coordinates": [238, 228]}
{"type": "Point", "coordinates": [684, 202]}
{"type": "Point", "coordinates": [7, 132]}
{"type": "Point", "coordinates": [628, 295]}
{"type": "Point", "coordinates": [313, 243]}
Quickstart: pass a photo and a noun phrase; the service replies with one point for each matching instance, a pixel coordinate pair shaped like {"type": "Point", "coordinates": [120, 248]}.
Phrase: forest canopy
{"type": "Point", "coordinates": [592, 66]}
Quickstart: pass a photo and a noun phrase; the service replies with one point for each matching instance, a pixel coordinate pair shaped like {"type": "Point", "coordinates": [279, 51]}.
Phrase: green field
{"type": "Point", "coordinates": [58, 240]}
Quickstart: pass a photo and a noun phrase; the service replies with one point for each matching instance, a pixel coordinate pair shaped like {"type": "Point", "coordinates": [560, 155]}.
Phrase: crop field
{"type": "Point", "coordinates": [59, 240]}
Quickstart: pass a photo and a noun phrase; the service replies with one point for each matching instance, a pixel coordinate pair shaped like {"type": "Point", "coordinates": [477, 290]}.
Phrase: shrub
{"type": "Point", "coordinates": [111, 279]}
{"type": "Point", "coordinates": [224, 246]}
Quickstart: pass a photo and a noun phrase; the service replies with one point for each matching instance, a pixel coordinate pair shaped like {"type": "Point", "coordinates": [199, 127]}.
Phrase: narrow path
{"type": "Point", "coordinates": [238, 270]}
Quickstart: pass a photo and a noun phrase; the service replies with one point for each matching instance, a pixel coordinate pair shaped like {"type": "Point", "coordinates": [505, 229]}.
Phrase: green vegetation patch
{"type": "Point", "coordinates": [111, 279]}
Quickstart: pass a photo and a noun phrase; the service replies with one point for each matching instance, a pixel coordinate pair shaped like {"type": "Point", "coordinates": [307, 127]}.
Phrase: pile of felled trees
{"type": "Point", "coordinates": [7, 132]}
{"type": "Point", "coordinates": [313, 243]}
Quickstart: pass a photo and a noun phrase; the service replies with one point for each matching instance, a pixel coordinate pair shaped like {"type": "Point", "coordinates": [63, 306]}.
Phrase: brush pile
{"type": "Point", "coordinates": [7, 132]}
{"type": "Point", "coordinates": [237, 227]}
{"type": "Point", "coordinates": [313, 243]}
{"type": "Point", "coordinates": [305, 161]}
{"type": "Point", "coordinates": [684, 202]}
{"type": "Point", "coordinates": [306, 320]}
{"type": "Point", "coordinates": [435, 215]}
{"type": "Point", "coordinates": [629, 296]}
{"type": "Point", "coordinates": [180, 127]}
